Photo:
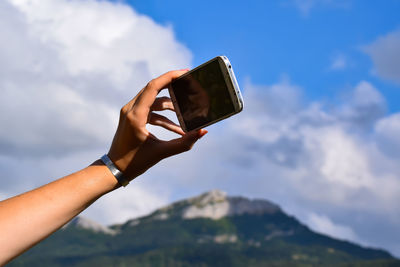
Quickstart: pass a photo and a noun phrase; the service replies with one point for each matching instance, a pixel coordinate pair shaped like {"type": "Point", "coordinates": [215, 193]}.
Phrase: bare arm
{"type": "Point", "coordinates": [30, 217]}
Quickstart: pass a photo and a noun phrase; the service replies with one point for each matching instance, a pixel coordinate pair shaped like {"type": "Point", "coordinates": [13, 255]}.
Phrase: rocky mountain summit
{"type": "Point", "coordinates": [215, 205]}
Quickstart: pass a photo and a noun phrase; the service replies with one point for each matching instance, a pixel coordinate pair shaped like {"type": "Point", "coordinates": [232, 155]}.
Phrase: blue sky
{"type": "Point", "coordinates": [318, 47]}
{"type": "Point", "coordinates": [301, 39]}
{"type": "Point", "coordinates": [319, 50]}
{"type": "Point", "coordinates": [318, 134]}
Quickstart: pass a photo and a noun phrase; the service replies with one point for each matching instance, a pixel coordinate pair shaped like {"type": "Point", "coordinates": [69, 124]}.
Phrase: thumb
{"type": "Point", "coordinates": [184, 143]}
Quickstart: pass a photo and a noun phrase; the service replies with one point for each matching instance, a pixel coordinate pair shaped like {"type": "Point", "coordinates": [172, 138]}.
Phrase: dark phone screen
{"type": "Point", "coordinates": [203, 96]}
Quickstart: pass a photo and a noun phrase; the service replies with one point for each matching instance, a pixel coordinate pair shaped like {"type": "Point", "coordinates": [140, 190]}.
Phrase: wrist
{"type": "Point", "coordinates": [116, 172]}
{"type": "Point", "coordinates": [104, 176]}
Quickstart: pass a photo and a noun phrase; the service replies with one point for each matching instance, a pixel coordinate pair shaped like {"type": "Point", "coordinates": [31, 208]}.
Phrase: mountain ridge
{"type": "Point", "coordinates": [213, 204]}
{"type": "Point", "coordinates": [212, 229]}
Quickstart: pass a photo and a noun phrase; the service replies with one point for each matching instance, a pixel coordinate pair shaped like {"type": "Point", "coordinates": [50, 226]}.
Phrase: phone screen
{"type": "Point", "coordinates": [203, 96]}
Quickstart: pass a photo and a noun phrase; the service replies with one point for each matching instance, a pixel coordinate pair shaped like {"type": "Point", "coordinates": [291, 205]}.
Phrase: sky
{"type": "Point", "coordinates": [320, 81]}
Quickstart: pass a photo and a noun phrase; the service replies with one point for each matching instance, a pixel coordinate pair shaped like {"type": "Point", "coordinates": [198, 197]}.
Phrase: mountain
{"type": "Point", "coordinates": [212, 229]}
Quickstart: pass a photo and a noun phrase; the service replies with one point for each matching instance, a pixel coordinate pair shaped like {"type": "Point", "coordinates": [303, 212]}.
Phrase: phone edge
{"type": "Point", "coordinates": [235, 92]}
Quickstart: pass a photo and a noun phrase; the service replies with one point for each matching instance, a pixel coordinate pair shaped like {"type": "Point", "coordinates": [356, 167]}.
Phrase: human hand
{"type": "Point", "coordinates": [134, 149]}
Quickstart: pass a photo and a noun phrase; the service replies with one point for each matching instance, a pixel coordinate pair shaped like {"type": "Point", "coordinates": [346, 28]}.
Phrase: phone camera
{"type": "Point", "coordinates": [230, 66]}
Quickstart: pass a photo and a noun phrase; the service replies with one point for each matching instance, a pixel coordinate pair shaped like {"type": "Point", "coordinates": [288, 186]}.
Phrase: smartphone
{"type": "Point", "coordinates": [205, 95]}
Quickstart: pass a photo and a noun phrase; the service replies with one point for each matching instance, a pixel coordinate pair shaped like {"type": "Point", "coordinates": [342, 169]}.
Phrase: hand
{"type": "Point", "coordinates": [134, 149]}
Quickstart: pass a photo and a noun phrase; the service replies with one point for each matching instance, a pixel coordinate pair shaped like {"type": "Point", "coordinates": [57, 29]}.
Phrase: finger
{"type": "Point", "coordinates": [162, 103]}
{"type": "Point", "coordinates": [128, 106]}
{"type": "Point", "coordinates": [150, 92]}
{"type": "Point", "coordinates": [182, 144]}
{"type": "Point", "coordinates": [159, 120]}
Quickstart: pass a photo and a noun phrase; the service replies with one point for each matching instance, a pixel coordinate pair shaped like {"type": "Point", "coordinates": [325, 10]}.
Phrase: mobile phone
{"type": "Point", "coordinates": [205, 95]}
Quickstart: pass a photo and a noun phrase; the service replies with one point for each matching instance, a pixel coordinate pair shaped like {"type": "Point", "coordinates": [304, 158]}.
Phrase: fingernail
{"type": "Point", "coordinates": [202, 133]}
{"type": "Point", "coordinates": [184, 69]}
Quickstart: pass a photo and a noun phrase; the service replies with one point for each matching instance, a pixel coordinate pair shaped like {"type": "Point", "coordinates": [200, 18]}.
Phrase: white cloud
{"type": "Point", "coordinates": [324, 148]}
{"type": "Point", "coordinates": [339, 62]}
{"type": "Point", "coordinates": [338, 158]}
{"type": "Point", "coordinates": [362, 106]}
{"type": "Point", "coordinates": [104, 37]}
{"type": "Point", "coordinates": [305, 6]}
{"type": "Point", "coordinates": [278, 101]}
{"type": "Point", "coordinates": [130, 202]}
{"type": "Point", "coordinates": [385, 55]}
{"type": "Point", "coordinates": [66, 68]}
{"type": "Point", "coordinates": [388, 131]}
{"type": "Point", "coordinates": [322, 224]}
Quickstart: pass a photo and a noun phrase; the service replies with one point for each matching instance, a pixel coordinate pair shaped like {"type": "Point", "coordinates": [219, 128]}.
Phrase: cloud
{"type": "Point", "coordinates": [128, 203]}
{"type": "Point", "coordinates": [322, 224]}
{"type": "Point", "coordinates": [305, 6]}
{"type": "Point", "coordinates": [339, 62]}
{"type": "Point", "coordinates": [388, 132]}
{"type": "Point", "coordinates": [317, 142]}
{"type": "Point", "coordinates": [385, 55]}
{"type": "Point", "coordinates": [64, 76]}
{"type": "Point", "coordinates": [330, 150]}
{"type": "Point", "coordinates": [66, 68]}
{"type": "Point", "coordinates": [362, 106]}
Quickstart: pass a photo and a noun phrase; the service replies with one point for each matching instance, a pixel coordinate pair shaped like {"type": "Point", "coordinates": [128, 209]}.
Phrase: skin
{"type": "Point", "coordinates": [28, 218]}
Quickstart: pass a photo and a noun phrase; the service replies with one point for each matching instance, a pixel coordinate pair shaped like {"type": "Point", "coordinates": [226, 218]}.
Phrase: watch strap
{"type": "Point", "coordinates": [114, 170]}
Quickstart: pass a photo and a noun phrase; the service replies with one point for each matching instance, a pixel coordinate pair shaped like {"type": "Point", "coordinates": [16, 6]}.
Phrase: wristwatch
{"type": "Point", "coordinates": [114, 170]}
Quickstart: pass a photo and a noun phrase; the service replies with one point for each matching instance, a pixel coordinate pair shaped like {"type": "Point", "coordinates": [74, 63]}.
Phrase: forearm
{"type": "Point", "coordinates": [28, 218]}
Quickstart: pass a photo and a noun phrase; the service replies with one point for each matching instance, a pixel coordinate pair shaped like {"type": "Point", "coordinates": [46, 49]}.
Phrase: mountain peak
{"type": "Point", "coordinates": [215, 204]}
{"type": "Point", "coordinates": [213, 196]}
